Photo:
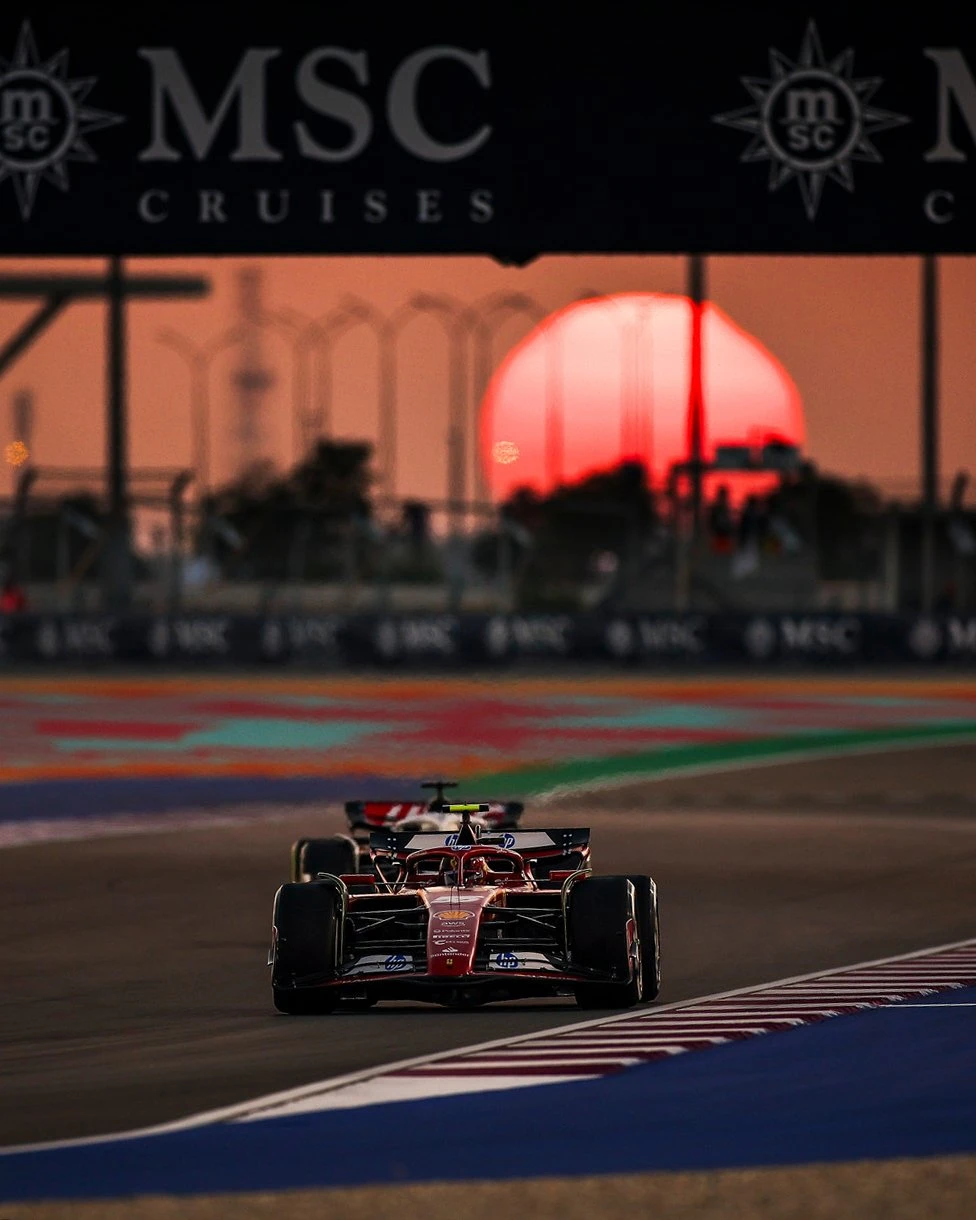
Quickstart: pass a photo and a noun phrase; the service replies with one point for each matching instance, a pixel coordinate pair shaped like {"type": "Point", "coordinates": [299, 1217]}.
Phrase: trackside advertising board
{"type": "Point", "coordinates": [446, 640]}
{"type": "Point", "coordinates": [512, 132]}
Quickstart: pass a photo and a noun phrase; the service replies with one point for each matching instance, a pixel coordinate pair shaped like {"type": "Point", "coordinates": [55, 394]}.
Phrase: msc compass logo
{"type": "Point", "coordinates": [811, 119]}
{"type": "Point", "coordinates": [43, 120]}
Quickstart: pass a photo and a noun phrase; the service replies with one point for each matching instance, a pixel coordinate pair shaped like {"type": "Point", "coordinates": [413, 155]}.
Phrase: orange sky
{"type": "Point", "coordinates": [846, 329]}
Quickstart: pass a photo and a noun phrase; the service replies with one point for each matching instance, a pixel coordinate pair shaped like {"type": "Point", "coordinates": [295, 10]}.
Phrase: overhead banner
{"type": "Point", "coordinates": [313, 129]}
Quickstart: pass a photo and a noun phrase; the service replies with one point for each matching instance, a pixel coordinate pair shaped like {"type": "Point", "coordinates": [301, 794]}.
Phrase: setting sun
{"type": "Point", "coordinates": [614, 374]}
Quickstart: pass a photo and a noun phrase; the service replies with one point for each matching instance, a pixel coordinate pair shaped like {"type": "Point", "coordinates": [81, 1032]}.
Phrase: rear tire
{"type": "Point", "coordinates": [295, 871]}
{"type": "Point", "coordinates": [600, 909]}
{"type": "Point", "coordinates": [336, 855]}
{"type": "Point", "coordinates": [307, 923]}
{"type": "Point", "coordinates": [649, 930]}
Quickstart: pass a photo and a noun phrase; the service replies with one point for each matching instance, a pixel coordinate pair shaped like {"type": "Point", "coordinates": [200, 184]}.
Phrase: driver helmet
{"type": "Point", "coordinates": [476, 870]}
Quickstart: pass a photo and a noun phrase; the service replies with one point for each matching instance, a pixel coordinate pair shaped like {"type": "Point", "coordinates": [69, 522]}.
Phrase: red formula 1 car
{"type": "Point", "coordinates": [339, 854]}
{"type": "Point", "coordinates": [462, 919]}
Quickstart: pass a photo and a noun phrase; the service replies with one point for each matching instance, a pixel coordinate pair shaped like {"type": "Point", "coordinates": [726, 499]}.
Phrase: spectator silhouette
{"type": "Point", "coordinates": [753, 524]}
{"type": "Point", "coordinates": [959, 525]}
{"type": "Point", "coordinates": [12, 597]}
{"type": "Point", "coordinates": [781, 536]}
{"type": "Point", "coordinates": [721, 525]}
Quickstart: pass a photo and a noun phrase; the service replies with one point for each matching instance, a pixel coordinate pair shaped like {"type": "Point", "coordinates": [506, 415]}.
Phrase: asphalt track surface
{"type": "Point", "coordinates": [136, 990]}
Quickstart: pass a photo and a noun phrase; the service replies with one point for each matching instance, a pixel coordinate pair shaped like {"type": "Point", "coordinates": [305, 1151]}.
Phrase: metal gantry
{"type": "Point", "coordinates": [116, 288]}
{"type": "Point", "coordinates": [471, 330]}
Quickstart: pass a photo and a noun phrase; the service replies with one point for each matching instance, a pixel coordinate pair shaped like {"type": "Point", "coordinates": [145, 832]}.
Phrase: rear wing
{"type": "Point", "coordinates": [371, 815]}
{"type": "Point", "coordinates": [531, 844]}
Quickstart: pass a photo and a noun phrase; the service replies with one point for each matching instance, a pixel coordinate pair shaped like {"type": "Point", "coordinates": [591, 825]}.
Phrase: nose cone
{"type": "Point", "coordinates": [452, 931]}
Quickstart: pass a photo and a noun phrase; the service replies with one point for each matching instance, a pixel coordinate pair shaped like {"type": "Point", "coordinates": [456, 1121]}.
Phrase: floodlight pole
{"type": "Point", "coordinates": [118, 552]}
{"type": "Point", "coordinates": [555, 432]}
{"type": "Point", "coordinates": [488, 315]}
{"type": "Point", "coordinates": [930, 423]}
{"type": "Point", "coordinates": [696, 408]}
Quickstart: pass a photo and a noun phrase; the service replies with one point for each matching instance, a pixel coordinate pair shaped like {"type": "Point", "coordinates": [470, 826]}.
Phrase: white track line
{"type": "Point", "coordinates": [401, 1089]}
{"type": "Point", "coordinates": [624, 780]}
{"type": "Point", "coordinates": [963, 1004]}
{"type": "Point", "coordinates": [27, 832]}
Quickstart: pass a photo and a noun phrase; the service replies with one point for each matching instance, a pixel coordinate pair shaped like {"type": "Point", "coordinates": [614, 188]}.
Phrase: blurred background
{"type": "Point", "coordinates": [449, 434]}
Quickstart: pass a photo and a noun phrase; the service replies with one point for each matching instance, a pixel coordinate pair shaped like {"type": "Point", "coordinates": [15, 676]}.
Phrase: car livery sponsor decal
{"type": "Point", "coordinates": [380, 963]}
{"type": "Point", "coordinates": [451, 928]}
{"type": "Point", "coordinates": [521, 840]}
{"type": "Point", "coordinates": [453, 934]}
{"type": "Point", "coordinates": [454, 941]}
{"type": "Point", "coordinates": [507, 960]}
{"type": "Point", "coordinates": [400, 812]}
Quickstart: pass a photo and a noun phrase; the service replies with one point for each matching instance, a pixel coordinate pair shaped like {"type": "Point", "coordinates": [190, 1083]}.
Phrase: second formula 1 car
{"type": "Point", "coordinates": [463, 918]}
{"type": "Point", "coordinates": [341, 853]}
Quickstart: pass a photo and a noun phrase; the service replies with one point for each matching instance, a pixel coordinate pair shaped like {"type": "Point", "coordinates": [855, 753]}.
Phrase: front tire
{"type": "Point", "coordinates": [307, 925]}
{"type": "Point", "coordinates": [604, 934]}
{"type": "Point", "coordinates": [649, 930]}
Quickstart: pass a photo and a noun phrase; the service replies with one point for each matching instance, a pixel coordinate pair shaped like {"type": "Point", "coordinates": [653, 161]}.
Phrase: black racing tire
{"type": "Point", "coordinates": [335, 855]}
{"type": "Point", "coordinates": [307, 923]}
{"type": "Point", "coordinates": [599, 911]}
{"type": "Point", "coordinates": [295, 870]}
{"type": "Point", "coordinates": [649, 930]}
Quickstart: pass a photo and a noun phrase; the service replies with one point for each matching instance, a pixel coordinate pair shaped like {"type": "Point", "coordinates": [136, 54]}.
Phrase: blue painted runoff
{"type": "Point", "coordinates": [892, 1082]}
{"type": "Point", "coordinates": [70, 798]}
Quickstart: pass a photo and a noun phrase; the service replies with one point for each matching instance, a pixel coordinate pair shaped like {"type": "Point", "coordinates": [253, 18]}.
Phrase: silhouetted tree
{"type": "Point", "coordinates": [251, 524]}
{"type": "Point", "coordinates": [608, 511]}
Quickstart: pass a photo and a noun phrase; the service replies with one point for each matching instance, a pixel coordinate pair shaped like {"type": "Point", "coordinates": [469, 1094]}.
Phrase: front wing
{"type": "Point", "coordinates": [505, 975]}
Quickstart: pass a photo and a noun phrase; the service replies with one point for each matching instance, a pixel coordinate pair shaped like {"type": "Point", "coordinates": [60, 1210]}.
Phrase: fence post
{"type": "Point", "coordinates": [63, 562]}
{"type": "Point", "coordinates": [298, 556]}
{"type": "Point", "coordinates": [930, 425]}
{"type": "Point", "coordinates": [177, 522]}
{"type": "Point", "coordinates": [892, 574]}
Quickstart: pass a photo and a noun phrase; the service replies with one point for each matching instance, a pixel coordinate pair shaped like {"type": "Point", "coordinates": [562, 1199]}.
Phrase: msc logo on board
{"type": "Point", "coordinates": [44, 120]}
{"type": "Point", "coordinates": [809, 121]}
{"type": "Point", "coordinates": [812, 119]}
